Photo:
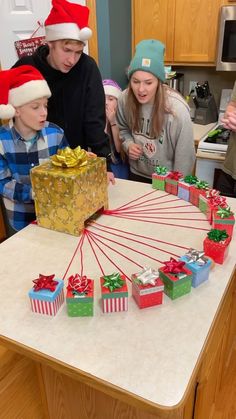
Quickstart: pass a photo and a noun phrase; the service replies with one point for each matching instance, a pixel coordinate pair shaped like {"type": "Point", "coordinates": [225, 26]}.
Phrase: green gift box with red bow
{"type": "Point", "coordinates": [176, 277]}
{"type": "Point", "coordinates": [80, 296]}
{"type": "Point", "coordinates": [114, 292]}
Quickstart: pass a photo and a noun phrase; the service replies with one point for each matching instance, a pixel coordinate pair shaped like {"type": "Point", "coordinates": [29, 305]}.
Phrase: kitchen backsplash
{"type": "Point", "coordinates": [217, 80]}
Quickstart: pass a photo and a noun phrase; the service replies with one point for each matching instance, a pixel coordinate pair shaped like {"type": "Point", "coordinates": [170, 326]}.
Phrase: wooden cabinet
{"type": "Point", "coordinates": [189, 29]}
{"type": "Point", "coordinates": [195, 32]}
{"type": "Point", "coordinates": [154, 19]}
{"type": "Point", "coordinates": [217, 359]}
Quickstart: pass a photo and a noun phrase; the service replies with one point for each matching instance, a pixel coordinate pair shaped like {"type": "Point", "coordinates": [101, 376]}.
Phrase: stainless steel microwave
{"type": "Point", "coordinates": [226, 57]}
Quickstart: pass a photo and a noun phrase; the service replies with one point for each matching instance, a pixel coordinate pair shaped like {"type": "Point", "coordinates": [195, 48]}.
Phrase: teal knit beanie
{"type": "Point", "coordinates": [149, 56]}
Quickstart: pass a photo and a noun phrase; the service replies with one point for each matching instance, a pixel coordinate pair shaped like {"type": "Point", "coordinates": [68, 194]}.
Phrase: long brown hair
{"type": "Point", "coordinates": [160, 107]}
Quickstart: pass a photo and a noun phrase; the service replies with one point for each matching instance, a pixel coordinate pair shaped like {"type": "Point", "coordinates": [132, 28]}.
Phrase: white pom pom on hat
{"type": "Point", "coordinates": [67, 21]}
{"type": "Point", "coordinates": [7, 111]}
{"type": "Point", "coordinates": [19, 86]}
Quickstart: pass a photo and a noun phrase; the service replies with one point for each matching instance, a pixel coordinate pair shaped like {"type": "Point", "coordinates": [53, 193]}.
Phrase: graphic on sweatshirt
{"type": "Point", "coordinates": [149, 148]}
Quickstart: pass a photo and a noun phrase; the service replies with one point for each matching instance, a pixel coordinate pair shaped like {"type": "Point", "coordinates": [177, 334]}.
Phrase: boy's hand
{"type": "Point", "coordinates": [110, 178]}
{"type": "Point", "coordinates": [90, 154]}
{"type": "Point", "coordinates": [135, 151]}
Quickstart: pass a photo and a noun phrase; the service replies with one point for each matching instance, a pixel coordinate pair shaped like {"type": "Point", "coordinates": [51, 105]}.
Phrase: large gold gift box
{"type": "Point", "coordinates": [66, 197]}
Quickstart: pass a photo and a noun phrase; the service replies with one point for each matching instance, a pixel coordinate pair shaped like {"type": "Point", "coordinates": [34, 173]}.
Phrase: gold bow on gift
{"type": "Point", "coordinates": [67, 157]}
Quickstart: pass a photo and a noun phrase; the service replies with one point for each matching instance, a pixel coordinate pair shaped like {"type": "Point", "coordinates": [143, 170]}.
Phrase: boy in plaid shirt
{"type": "Point", "coordinates": [26, 141]}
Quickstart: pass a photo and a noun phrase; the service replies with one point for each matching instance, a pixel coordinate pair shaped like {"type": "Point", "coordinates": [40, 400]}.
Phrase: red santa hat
{"type": "Point", "coordinates": [67, 21]}
{"type": "Point", "coordinates": [19, 86]}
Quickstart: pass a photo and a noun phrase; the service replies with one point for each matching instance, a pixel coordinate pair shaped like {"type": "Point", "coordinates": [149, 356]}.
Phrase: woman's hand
{"type": "Point", "coordinates": [135, 151]}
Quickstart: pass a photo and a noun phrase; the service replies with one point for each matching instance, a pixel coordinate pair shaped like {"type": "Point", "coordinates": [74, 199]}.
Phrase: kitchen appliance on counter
{"type": "Point", "coordinates": [226, 56]}
{"type": "Point", "coordinates": [206, 109]}
{"type": "Point", "coordinates": [213, 146]}
{"type": "Point", "coordinates": [176, 82]}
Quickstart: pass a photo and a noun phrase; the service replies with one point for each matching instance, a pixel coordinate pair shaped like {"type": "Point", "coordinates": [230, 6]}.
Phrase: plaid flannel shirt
{"type": "Point", "coordinates": [16, 160]}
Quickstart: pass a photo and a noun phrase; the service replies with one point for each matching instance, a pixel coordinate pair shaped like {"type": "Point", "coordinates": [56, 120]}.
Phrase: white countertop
{"type": "Point", "coordinates": [150, 352]}
{"type": "Point", "coordinates": [200, 131]}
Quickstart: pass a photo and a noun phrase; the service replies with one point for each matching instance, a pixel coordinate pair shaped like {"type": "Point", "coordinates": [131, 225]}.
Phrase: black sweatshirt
{"type": "Point", "coordinates": [77, 103]}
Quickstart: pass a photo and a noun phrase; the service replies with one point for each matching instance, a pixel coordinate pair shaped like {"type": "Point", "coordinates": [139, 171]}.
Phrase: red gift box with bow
{"type": "Point", "coordinates": [223, 221]}
{"type": "Point", "coordinates": [218, 251]}
{"type": "Point", "coordinates": [47, 295]}
{"type": "Point", "coordinates": [147, 288]}
{"type": "Point", "coordinates": [172, 182]}
{"type": "Point", "coordinates": [194, 195]}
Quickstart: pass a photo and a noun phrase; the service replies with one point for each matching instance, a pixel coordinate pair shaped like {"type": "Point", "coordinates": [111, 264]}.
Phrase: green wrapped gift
{"type": "Point", "coordinates": [80, 296]}
{"type": "Point", "coordinates": [176, 277]}
{"type": "Point", "coordinates": [158, 177]}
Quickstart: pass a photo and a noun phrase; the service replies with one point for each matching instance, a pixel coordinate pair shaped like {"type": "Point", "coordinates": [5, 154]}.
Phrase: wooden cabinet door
{"type": "Point", "coordinates": [154, 19]}
{"type": "Point", "coordinates": [196, 29]}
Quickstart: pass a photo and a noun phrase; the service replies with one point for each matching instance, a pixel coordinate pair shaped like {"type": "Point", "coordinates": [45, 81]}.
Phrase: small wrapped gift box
{"type": "Point", "coordinates": [114, 293]}
{"type": "Point", "coordinates": [198, 264]}
{"type": "Point", "coordinates": [80, 296]}
{"type": "Point", "coordinates": [184, 186]}
{"type": "Point", "coordinates": [216, 245]}
{"type": "Point", "coordinates": [203, 203]}
{"type": "Point", "coordinates": [196, 190]}
{"type": "Point", "coordinates": [213, 203]}
{"type": "Point", "coordinates": [66, 196]}
{"type": "Point", "coordinates": [147, 288]}
{"type": "Point", "coordinates": [172, 181]}
{"type": "Point", "coordinates": [223, 219]}
{"type": "Point", "coordinates": [210, 201]}
{"type": "Point", "coordinates": [159, 177]}
{"type": "Point", "coordinates": [47, 295]}
{"type": "Point", "coordinates": [184, 190]}
{"type": "Point", "coordinates": [176, 277]}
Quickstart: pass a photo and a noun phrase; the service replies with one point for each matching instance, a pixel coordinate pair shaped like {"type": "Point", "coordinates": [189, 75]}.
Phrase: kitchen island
{"type": "Point", "coordinates": [162, 362]}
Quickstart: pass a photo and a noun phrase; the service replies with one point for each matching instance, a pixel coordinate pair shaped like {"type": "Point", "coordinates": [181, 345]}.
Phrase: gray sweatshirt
{"type": "Point", "coordinates": [174, 148]}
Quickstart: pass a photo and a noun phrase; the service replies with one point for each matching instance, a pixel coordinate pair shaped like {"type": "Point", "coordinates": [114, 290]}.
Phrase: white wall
{"type": "Point", "coordinates": [18, 20]}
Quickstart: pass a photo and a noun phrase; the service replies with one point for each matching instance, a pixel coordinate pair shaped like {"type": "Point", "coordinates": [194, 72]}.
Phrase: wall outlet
{"type": "Point", "coordinates": [192, 85]}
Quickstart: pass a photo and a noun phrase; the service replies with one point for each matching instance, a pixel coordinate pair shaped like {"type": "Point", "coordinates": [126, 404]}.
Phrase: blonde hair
{"type": "Point", "coordinates": [160, 107]}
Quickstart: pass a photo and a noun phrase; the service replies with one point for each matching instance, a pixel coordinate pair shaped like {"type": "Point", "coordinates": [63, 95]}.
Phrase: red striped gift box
{"type": "Point", "coordinates": [45, 301]}
{"type": "Point", "coordinates": [116, 300]}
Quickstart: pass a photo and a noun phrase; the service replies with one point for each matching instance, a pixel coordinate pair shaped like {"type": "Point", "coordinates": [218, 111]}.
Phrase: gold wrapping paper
{"type": "Point", "coordinates": [66, 197]}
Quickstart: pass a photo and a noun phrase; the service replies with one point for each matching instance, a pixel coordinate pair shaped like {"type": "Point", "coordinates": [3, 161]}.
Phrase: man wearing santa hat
{"type": "Point", "coordinates": [77, 103]}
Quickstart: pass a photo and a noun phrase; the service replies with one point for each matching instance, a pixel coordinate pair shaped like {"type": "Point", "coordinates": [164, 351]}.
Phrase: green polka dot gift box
{"type": "Point", "coordinates": [80, 296]}
{"type": "Point", "coordinates": [176, 277]}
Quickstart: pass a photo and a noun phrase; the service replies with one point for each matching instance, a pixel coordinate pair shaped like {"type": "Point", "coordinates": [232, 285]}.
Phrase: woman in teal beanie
{"type": "Point", "coordinates": [154, 120]}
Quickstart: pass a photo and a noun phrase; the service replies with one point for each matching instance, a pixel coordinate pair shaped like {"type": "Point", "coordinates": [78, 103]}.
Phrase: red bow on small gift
{"type": "Point", "coordinates": [175, 175]}
{"type": "Point", "coordinates": [45, 282]}
{"type": "Point", "coordinates": [218, 201]}
{"type": "Point", "coordinates": [212, 192]}
{"type": "Point", "coordinates": [174, 266]}
{"type": "Point", "coordinates": [79, 284]}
